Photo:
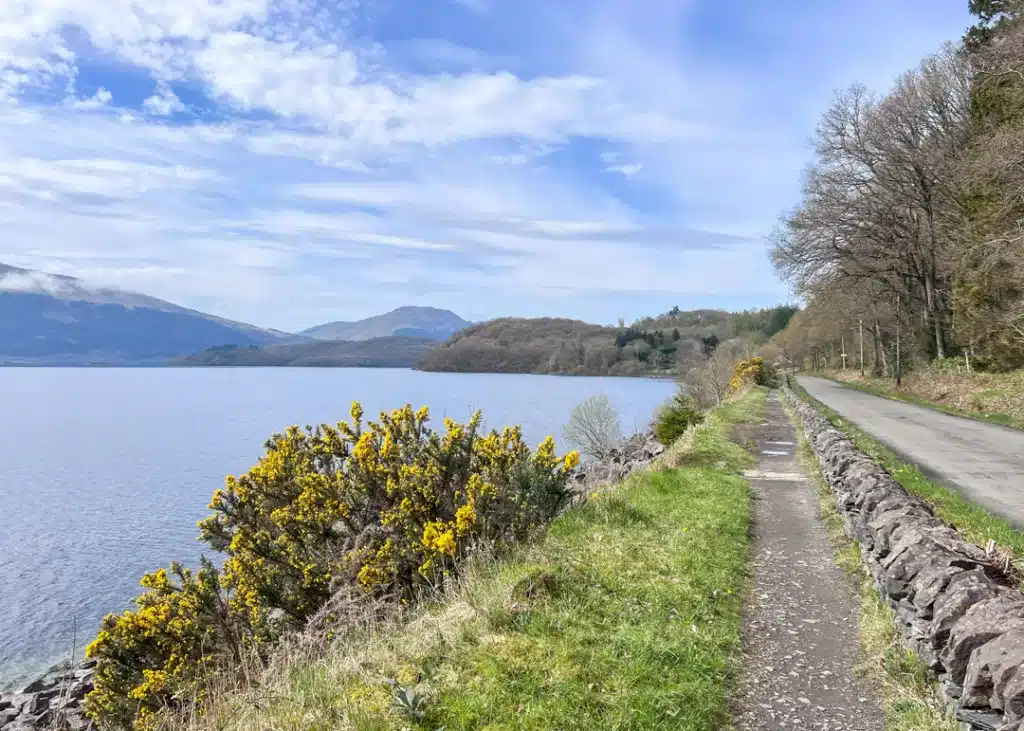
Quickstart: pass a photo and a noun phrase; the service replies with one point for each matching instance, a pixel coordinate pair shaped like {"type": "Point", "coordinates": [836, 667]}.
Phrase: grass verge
{"type": "Point", "coordinates": [626, 615]}
{"type": "Point", "coordinates": [909, 698]}
{"type": "Point", "coordinates": [975, 523]}
{"type": "Point", "coordinates": [980, 397]}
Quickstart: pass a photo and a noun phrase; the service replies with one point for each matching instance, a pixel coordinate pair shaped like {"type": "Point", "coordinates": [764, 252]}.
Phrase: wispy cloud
{"type": "Point", "coordinates": [286, 161]}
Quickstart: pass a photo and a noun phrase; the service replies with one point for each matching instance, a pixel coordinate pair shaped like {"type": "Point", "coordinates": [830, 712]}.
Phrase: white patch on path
{"type": "Point", "coordinates": [781, 476]}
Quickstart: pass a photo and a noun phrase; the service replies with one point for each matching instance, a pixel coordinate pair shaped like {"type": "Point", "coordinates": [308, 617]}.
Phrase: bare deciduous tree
{"type": "Point", "coordinates": [708, 383]}
{"type": "Point", "coordinates": [878, 201]}
{"type": "Point", "coordinates": [593, 427]}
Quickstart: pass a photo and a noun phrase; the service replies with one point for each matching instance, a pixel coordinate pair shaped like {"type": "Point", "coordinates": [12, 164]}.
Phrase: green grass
{"type": "Point", "coordinates": [975, 523]}
{"type": "Point", "coordinates": [877, 389]}
{"type": "Point", "coordinates": [909, 700]}
{"type": "Point", "coordinates": [626, 615]}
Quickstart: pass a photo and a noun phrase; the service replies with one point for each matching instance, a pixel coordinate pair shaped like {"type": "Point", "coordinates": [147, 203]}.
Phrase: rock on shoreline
{"type": "Point", "coordinates": [51, 703]}
{"type": "Point", "coordinates": [631, 454]}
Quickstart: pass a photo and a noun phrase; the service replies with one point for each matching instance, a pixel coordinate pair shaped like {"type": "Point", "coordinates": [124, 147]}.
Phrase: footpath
{"type": "Point", "coordinates": [801, 639]}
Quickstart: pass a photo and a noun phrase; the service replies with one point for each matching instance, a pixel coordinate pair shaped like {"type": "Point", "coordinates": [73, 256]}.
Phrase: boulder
{"type": "Point", "coordinates": [979, 720]}
{"type": "Point", "coordinates": [984, 621]}
{"type": "Point", "coordinates": [42, 684]}
{"type": "Point", "coordinates": [7, 715]}
{"type": "Point", "coordinates": [962, 593]}
{"type": "Point", "coordinates": [929, 583]}
{"type": "Point", "coordinates": [991, 668]}
{"type": "Point", "coordinates": [1012, 696]}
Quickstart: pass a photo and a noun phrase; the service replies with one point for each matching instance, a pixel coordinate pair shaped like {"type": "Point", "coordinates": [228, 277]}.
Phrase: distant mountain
{"type": "Point", "coordinates": [418, 322]}
{"type": "Point", "coordinates": [53, 319]}
{"type": "Point", "coordinates": [388, 352]}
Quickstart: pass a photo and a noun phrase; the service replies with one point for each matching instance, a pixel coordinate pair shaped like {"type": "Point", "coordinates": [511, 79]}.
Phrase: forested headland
{"type": "Point", "coordinates": [668, 344]}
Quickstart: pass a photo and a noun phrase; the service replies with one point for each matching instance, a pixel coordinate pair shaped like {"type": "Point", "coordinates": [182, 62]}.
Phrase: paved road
{"type": "Point", "coordinates": [984, 461]}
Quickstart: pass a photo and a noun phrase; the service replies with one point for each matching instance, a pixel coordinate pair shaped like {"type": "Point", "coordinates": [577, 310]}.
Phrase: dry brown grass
{"type": "Point", "coordinates": [997, 397]}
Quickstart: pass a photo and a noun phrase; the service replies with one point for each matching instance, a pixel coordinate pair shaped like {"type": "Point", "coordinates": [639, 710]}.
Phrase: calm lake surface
{"type": "Point", "coordinates": [104, 472]}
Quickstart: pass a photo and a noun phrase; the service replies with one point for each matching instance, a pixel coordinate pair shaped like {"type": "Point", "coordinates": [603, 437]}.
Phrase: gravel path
{"type": "Point", "coordinates": [985, 462]}
{"type": "Point", "coordinates": [800, 636]}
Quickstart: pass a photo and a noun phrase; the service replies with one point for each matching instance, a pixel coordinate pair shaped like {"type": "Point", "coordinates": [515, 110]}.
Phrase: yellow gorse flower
{"type": "Point", "coordinates": [389, 506]}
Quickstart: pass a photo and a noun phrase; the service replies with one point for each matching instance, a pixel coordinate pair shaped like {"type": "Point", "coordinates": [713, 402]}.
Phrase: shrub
{"type": "Point", "coordinates": [180, 627]}
{"type": "Point", "coordinates": [594, 427]}
{"type": "Point", "coordinates": [752, 371]}
{"type": "Point", "coordinates": [388, 506]}
{"type": "Point", "coordinates": [675, 418]}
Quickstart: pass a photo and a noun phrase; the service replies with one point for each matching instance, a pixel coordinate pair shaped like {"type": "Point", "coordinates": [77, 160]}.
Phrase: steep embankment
{"type": "Point", "coordinates": [626, 614]}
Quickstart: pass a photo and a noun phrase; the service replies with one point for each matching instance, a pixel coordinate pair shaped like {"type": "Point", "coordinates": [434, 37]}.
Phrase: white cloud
{"type": "Point", "coordinates": [346, 228]}
{"type": "Point", "coordinates": [100, 99]}
{"type": "Point", "coordinates": [439, 167]}
{"type": "Point", "coordinates": [34, 50]}
{"type": "Point", "coordinates": [163, 103]}
{"type": "Point", "coordinates": [39, 282]}
{"type": "Point", "coordinates": [627, 170]}
{"type": "Point", "coordinates": [96, 176]}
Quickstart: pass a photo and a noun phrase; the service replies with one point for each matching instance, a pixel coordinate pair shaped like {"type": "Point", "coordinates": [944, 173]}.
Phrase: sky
{"type": "Point", "coordinates": [291, 162]}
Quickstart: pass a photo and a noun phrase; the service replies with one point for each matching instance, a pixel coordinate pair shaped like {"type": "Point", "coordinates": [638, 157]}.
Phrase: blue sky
{"type": "Point", "coordinates": [289, 162]}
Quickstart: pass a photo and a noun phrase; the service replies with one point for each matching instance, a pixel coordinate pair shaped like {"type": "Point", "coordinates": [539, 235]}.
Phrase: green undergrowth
{"type": "Point", "coordinates": [625, 615]}
{"type": "Point", "coordinates": [876, 387]}
{"type": "Point", "coordinates": [974, 523]}
{"type": "Point", "coordinates": [909, 699]}
{"type": "Point", "coordinates": [709, 444]}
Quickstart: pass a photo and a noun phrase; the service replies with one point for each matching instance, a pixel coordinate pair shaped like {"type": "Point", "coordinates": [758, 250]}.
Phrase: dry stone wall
{"type": "Point", "coordinates": [956, 608]}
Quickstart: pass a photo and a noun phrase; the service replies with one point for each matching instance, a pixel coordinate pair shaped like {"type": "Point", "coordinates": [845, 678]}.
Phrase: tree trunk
{"type": "Point", "coordinates": [933, 315]}
{"type": "Point", "coordinates": [881, 365]}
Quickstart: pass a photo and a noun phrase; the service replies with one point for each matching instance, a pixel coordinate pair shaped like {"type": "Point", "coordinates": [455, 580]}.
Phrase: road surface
{"type": "Point", "coordinates": [985, 462]}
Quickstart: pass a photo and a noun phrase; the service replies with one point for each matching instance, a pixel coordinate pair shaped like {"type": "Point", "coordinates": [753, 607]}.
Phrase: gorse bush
{"type": "Point", "coordinates": [753, 371]}
{"type": "Point", "coordinates": [675, 418]}
{"type": "Point", "coordinates": [181, 627]}
{"type": "Point", "coordinates": [389, 506]}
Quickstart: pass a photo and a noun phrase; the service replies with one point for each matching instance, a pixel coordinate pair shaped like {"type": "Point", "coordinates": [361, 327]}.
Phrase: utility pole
{"type": "Point", "coordinates": [899, 366]}
{"type": "Point", "coordinates": [862, 347]}
{"type": "Point", "coordinates": [842, 355]}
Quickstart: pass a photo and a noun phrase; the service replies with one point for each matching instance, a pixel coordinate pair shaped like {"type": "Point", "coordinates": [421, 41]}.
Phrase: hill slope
{"type": "Point", "coordinates": [549, 345]}
{"type": "Point", "coordinates": [389, 352]}
{"type": "Point", "coordinates": [420, 322]}
{"type": "Point", "coordinates": [662, 345]}
{"type": "Point", "coordinates": [46, 318]}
